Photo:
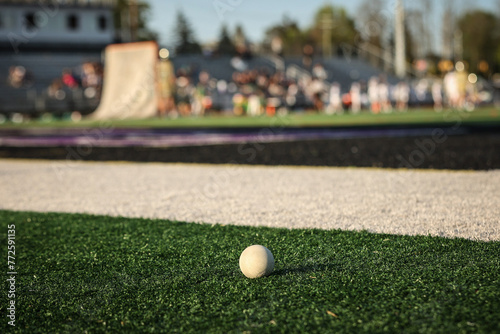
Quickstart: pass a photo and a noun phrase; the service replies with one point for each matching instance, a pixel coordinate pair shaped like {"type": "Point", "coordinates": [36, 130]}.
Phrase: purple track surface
{"type": "Point", "coordinates": [182, 138]}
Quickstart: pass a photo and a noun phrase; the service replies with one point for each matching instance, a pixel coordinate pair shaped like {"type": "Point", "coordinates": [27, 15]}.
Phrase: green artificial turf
{"type": "Point", "coordinates": [487, 115]}
{"type": "Point", "coordinates": [80, 273]}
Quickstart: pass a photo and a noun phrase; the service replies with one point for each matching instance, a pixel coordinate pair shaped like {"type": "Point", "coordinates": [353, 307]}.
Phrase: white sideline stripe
{"type": "Point", "coordinates": [439, 203]}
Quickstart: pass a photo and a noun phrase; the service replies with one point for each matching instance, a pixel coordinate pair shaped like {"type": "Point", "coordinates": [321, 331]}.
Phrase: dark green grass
{"type": "Point", "coordinates": [82, 273]}
{"type": "Point", "coordinates": [487, 115]}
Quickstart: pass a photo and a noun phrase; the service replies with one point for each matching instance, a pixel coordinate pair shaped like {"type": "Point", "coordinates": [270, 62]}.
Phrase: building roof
{"type": "Point", "coordinates": [71, 3]}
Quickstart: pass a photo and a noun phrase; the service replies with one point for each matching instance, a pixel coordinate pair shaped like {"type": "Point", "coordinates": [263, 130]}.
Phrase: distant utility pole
{"type": "Point", "coordinates": [125, 25]}
{"type": "Point", "coordinates": [447, 51]}
{"type": "Point", "coordinates": [458, 44]}
{"type": "Point", "coordinates": [134, 19]}
{"type": "Point", "coordinates": [327, 26]}
{"type": "Point", "coordinates": [400, 41]}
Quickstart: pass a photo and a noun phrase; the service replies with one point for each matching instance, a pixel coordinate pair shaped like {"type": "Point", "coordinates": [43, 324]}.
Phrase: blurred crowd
{"type": "Point", "coordinates": [252, 92]}
{"type": "Point", "coordinates": [87, 77]}
{"type": "Point", "coordinates": [189, 91]}
{"type": "Point", "coordinates": [256, 92]}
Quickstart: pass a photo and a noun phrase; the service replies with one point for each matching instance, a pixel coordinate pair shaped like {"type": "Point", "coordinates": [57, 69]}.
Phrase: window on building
{"type": "Point", "coordinates": [102, 23]}
{"type": "Point", "coordinates": [30, 21]}
{"type": "Point", "coordinates": [73, 23]}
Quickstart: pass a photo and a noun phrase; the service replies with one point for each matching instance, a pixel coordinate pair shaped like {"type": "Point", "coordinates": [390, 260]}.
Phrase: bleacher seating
{"type": "Point", "coordinates": [43, 68]}
{"type": "Point", "coordinates": [218, 67]}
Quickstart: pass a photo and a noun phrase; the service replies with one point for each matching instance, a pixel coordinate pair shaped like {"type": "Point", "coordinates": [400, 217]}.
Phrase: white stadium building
{"type": "Point", "coordinates": [39, 40]}
{"type": "Point", "coordinates": [50, 25]}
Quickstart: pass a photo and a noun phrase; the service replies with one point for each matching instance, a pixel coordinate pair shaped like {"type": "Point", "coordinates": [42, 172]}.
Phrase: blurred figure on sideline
{"type": "Point", "coordinates": [185, 90]}
{"type": "Point", "coordinates": [254, 105]}
{"type": "Point", "coordinates": [55, 90]}
{"type": "Point", "coordinates": [421, 89]}
{"type": "Point", "coordinates": [451, 89]}
{"type": "Point", "coordinates": [68, 79]}
{"type": "Point", "coordinates": [91, 79]}
{"type": "Point", "coordinates": [462, 82]}
{"type": "Point", "coordinates": [384, 96]}
{"type": "Point", "coordinates": [402, 96]}
{"type": "Point", "coordinates": [356, 97]}
{"type": "Point", "coordinates": [335, 101]}
{"type": "Point", "coordinates": [316, 90]}
{"type": "Point", "coordinates": [373, 95]}
{"type": "Point", "coordinates": [201, 99]}
{"type": "Point", "coordinates": [19, 77]}
{"type": "Point", "coordinates": [437, 95]}
{"type": "Point", "coordinates": [319, 72]}
{"type": "Point", "coordinates": [472, 97]}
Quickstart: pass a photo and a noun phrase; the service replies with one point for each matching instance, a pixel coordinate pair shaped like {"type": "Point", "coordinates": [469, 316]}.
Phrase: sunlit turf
{"type": "Point", "coordinates": [412, 117]}
{"type": "Point", "coordinates": [80, 273]}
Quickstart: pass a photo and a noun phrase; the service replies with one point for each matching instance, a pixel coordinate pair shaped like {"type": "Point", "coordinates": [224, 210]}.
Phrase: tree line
{"type": "Point", "coordinates": [472, 35]}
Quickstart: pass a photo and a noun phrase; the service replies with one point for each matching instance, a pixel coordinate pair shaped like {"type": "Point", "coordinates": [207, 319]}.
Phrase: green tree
{"type": "Point", "coordinates": [292, 37]}
{"type": "Point", "coordinates": [225, 45]}
{"type": "Point", "coordinates": [480, 37]}
{"type": "Point", "coordinates": [241, 43]}
{"type": "Point", "coordinates": [131, 18]}
{"type": "Point", "coordinates": [334, 23]}
{"type": "Point", "coordinates": [185, 40]}
{"type": "Point", "coordinates": [373, 24]}
{"type": "Point", "coordinates": [239, 38]}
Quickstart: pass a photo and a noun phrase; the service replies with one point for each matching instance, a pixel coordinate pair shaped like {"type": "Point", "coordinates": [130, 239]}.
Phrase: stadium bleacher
{"type": "Point", "coordinates": [45, 67]}
{"type": "Point", "coordinates": [342, 70]}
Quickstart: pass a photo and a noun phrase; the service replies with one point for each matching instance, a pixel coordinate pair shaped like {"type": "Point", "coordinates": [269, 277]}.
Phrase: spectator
{"type": "Point", "coordinates": [55, 90]}
{"type": "Point", "coordinates": [437, 95]}
{"type": "Point", "coordinates": [335, 101]}
{"type": "Point", "coordinates": [402, 96]}
{"type": "Point", "coordinates": [319, 72]}
{"type": "Point", "coordinates": [91, 79]}
{"type": "Point", "coordinates": [421, 90]}
{"type": "Point", "coordinates": [356, 97]}
{"type": "Point", "coordinates": [19, 77]}
{"type": "Point", "coordinates": [373, 95]}
{"type": "Point", "coordinates": [384, 96]}
{"type": "Point", "coordinates": [68, 79]}
{"type": "Point", "coordinates": [451, 89]}
{"type": "Point", "coordinates": [292, 95]}
{"type": "Point", "coordinates": [254, 105]}
{"type": "Point", "coordinates": [185, 91]}
{"type": "Point", "coordinates": [201, 98]}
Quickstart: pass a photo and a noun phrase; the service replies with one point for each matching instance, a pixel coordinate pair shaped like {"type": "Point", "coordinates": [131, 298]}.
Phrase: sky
{"type": "Point", "coordinates": [207, 16]}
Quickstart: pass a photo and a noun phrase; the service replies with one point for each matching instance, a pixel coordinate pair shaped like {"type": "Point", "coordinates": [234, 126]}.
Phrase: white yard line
{"type": "Point", "coordinates": [450, 204]}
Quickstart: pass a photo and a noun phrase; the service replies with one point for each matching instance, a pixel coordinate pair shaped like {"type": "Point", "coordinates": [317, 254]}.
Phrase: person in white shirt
{"type": "Point", "coordinates": [437, 95]}
{"type": "Point", "coordinates": [335, 102]}
{"type": "Point", "coordinates": [451, 89]}
{"type": "Point", "coordinates": [384, 96]}
{"type": "Point", "coordinates": [402, 96]}
{"type": "Point", "coordinates": [373, 95]}
{"type": "Point", "coordinates": [355, 97]}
